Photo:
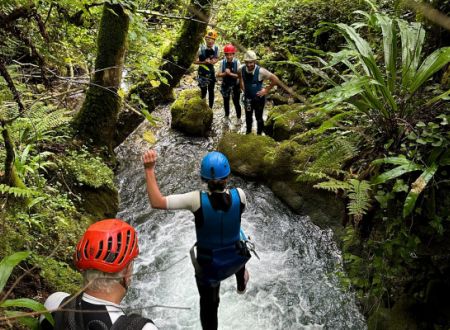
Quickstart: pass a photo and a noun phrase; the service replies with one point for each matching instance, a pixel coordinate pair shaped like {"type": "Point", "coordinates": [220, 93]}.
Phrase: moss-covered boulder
{"type": "Point", "coordinates": [284, 121]}
{"type": "Point", "coordinates": [190, 114]}
{"type": "Point", "coordinates": [260, 157]}
{"type": "Point", "coordinates": [247, 153]}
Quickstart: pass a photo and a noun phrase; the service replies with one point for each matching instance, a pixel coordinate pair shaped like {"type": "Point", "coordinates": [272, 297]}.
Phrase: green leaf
{"type": "Point", "coordinates": [7, 265]}
{"type": "Point", "coordinates": [333, 185]}
{"type": "Point", "coordinates": [29, 322]}
{"type": "Point", "coordinates": [417, 187]}
{"type": "Point", "coordinates": [393, 161]}
{"type": "Point", "coordinates": [412, 36]}
{"type": "Point", "coordinates": [396, 172]}
{"type": "Point", "coordinates": [390, 48]}
{"type": "Point", "coordinates": [149, 137]}
{"type": "Point", "coordinates": [359, 198]}
{"type": "Point", "coordinates": [433, 63]}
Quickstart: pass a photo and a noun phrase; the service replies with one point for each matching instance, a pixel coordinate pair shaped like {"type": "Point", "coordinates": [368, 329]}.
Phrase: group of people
{"type": "Point", "coordinates": [236, 78]}
{"type": "Point", "coordinates": [106, 252]}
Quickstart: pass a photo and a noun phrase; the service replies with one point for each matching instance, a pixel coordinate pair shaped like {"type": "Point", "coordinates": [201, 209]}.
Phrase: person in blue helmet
{"type": "Point", "coordinates": [217, 211]}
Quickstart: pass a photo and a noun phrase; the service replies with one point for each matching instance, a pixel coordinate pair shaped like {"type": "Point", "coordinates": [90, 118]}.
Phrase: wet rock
{"type": "Point", "coordinates": [247, 153]}
{"type": "Point", "coordinates": [190, 114]}
{"type": "Point", "coordinates": [260, 157]}
{"type": "Point", "coordinates": [285, 121]}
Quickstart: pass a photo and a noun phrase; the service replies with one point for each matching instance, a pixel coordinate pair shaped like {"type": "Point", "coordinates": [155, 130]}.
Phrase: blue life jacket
{"type": "Point", "coordinates": [219, 228]}
{"type": "Point", "coordinates": [207, 70]}
{"type": "Point", "coordinates": [220, 251]}
{"type": "Point", "coordinates": [227, 80]}
{"type": "Point", "coordinates": [203, 54]}
{"type": "Point", "coordinates": [251, 83]}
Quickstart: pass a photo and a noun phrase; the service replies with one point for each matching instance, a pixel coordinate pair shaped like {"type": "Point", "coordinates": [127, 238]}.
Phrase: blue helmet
{"type": "Point", "coordinates": [215, 166]}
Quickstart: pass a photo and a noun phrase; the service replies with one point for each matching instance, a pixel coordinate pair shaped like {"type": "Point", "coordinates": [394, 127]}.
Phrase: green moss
{"type": "Point", "coordinates": [284, 121]}
{"type": "Point", "coordinates": [191, 114]}
{"type": "Point", "coordinates": [58, 275]}
{"type": "Point", "coordinates": [248, 154]}
{"type": "Point", "coordinates": [284, 159]}
{"type": "Point", "coordinates": [88, 170]}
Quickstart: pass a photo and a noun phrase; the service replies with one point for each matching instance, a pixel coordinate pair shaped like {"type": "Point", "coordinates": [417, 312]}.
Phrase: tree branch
{"type": "Point", "coordinates": [21, 12]}
{"type": "Point", "coordinates": [5, 74]}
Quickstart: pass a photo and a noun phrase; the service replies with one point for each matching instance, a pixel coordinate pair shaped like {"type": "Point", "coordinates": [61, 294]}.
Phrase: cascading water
{"type": "Point", "coordinates": [293, 286]}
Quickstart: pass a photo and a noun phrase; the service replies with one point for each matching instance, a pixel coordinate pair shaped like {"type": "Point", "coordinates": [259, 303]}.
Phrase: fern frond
{"type": "Point", "coordinates": [307, 176]}
{"type": "Point", "coordinates": [17, 192]}
{"type": "Point", "coordinates": [360, 200]}
{"type": "Point", "coordinates": [333, 185]}
{"type": "Point", "coordinates": [53, 120]}
{"type": "Point", "coordinates": [334, 156]}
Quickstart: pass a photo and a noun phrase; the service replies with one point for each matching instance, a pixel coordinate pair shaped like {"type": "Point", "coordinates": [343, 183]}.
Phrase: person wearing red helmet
{"type": "Point", "coordinates": [105, 257]}
{"type": "Point", "coordinates": [230, 82]}
{"type": "Point", "coordinates": [217, 215]}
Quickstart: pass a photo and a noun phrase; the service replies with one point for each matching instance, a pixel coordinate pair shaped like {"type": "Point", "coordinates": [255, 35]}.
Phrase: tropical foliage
{"type": "Point", "coordinates": [8, 307]}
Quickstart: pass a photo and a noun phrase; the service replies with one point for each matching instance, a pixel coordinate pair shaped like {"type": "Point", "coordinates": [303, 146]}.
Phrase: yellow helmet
{"type": "Point", "coordinates": [211, 34]}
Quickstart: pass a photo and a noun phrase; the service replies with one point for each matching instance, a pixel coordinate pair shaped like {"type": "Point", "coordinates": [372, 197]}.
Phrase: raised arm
{"type": "Point", "coordinates": [157, 200]}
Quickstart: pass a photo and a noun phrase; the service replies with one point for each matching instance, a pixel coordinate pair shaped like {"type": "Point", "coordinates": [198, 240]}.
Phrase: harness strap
{"type": "Point", "coordinates": [69, 320]}
{"type": "Point", "coordinates": [130, 322]}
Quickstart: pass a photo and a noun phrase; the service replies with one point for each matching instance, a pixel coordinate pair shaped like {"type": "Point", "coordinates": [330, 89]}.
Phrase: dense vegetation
{"type": "Point", "coordinates": [371, 105]}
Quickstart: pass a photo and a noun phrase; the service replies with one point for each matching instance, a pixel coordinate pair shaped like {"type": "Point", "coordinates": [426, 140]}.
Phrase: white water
{"type": "Point", "coordinates": [293, 286]}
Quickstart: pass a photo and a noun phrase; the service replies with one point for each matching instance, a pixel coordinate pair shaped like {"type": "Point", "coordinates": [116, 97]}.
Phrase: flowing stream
{"type": "Point", "coordinates": [293, 286]}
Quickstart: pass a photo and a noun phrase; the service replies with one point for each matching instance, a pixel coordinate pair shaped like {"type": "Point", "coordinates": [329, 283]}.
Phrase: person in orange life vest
{"type": "Point", "coordinates": [105, 256]}
{"type": "Point", "coordinates": [230, 82]}
{"type": "Point", "coordinates": [217, 215]}
{"type": "Point", "coordinates": [208, 55]}
{"type": "Point", "coordinates": [251, 78]}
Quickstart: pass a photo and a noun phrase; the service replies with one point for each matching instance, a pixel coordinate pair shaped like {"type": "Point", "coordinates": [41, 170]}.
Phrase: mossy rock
{"type": "Point", "coordinates": [400, 317]}
{"type": "Point", "coordinates": [190, 114]}
{"type": "Point", "coordinates": [284, 121]}
{"type": "Point", "coordinates": [284, 160]}
{"type": "Point", "coordinates": [247, 153]}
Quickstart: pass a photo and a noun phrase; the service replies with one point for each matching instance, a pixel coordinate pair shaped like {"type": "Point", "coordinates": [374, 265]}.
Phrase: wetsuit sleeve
{"type": "Point", "coordinates": [243, 199]}
{"type": "Point", "coordinates": [188, 201]}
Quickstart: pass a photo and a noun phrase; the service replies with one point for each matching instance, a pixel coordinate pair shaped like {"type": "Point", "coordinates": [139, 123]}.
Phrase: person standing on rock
{"type": "Point", "coordinates": [230, 82]}
{"type": "Point", "coordinates": [220, 252]}
{"type": "Point", "coordinates": [208, 55]}
{"type": "Point", "coordinates": [251, 78]}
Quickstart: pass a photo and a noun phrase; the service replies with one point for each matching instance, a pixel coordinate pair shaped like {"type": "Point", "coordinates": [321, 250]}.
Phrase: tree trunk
{"type": "Point", "coordinates": [176, 61]}
{"type": "Point", "coordinates": [97, 119]}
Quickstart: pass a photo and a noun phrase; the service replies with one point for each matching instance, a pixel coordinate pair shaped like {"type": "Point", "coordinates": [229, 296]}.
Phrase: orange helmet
{"type": "Point", "coordinates": [107, 245]}
{"type": "Point", "coordinates": [229, 49]}
{"type": "Point", "coordinates": [211, 34]}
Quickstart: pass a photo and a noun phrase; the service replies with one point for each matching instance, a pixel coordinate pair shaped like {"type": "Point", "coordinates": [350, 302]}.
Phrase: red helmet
{"type": "Point", "coordinates": [107, 245]}
{"type": "Point", "coordinates": [229, 48]}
